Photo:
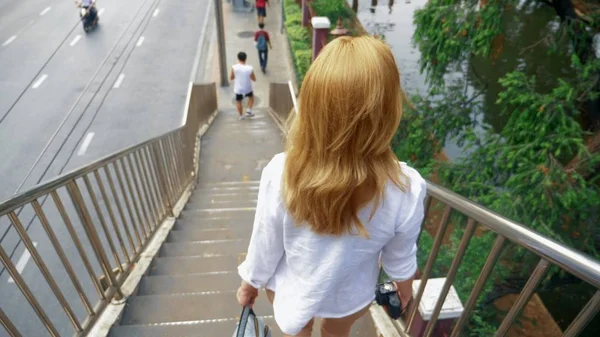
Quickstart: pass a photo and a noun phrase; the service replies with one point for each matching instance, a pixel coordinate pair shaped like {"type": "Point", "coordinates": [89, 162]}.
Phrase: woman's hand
{"type": "Point", "coordinates": [246, 294]}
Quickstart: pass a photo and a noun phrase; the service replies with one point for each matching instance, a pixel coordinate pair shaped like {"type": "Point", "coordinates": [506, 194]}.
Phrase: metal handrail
{"type": "Point", "coordinates": [550, 252]}
{"type": "Point", "coordinates": [120, 201]}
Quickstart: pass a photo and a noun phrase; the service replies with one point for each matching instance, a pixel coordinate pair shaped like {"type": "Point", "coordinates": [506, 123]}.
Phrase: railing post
{"type": "Point", "coordinates": [451, 309]}
{"type": "Point", "coordinates": [305, 13]}
{"type": "Point", "coordinates": [321, 25]}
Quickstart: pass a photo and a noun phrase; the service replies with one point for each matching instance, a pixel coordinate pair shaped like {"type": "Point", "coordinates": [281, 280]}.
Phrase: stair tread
{"type": "Point", "coordinates": [227, 247]}
{"type": "Point", "coordinates": [151, 309]}
{"type": "Point", "coordinates": [205, 329]}
{"type": "Point", "coordinates": [194, 234]}
{"type": "Point", "coordinates": [190, 283]}
{"type": "Point", "coordinates": [192, 265]}
{"type": "Point", "coordinates": [200, 221]}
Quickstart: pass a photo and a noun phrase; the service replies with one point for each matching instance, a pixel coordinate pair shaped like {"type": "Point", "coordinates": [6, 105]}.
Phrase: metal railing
{"type": "Point", "coordinates": [549, 252]}
{"type": "Point", "coordinates": [97, 220]}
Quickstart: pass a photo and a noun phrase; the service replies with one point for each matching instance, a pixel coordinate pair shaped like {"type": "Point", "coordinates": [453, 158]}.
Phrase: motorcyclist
{"type": "Point", "coordinates": [90, 6]}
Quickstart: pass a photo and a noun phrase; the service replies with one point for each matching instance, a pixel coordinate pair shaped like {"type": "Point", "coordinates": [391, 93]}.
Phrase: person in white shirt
{"type": "Point", "coordinates": [338, 202]}
{"type": "Point", "coordinates": [243, 75]}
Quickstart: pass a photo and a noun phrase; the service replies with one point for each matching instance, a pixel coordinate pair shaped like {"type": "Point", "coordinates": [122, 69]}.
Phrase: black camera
{"type": "Point", "coordinates": [386, 295]}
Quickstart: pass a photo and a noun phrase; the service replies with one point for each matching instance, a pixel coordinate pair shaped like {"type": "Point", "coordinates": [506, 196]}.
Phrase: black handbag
{"type": "Point", "coordinates": [250, 325]}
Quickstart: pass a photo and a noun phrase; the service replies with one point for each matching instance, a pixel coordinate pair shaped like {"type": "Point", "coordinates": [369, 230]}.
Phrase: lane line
{"type": "Point", "coordinates": [22, 262]}
{"type": "Point", "coordinates": [39, 81]}
{"type": "Point", "coordinates": [9, 41]}
{"type": "Point", "coordinates": [75, 40]}
{"type": "Point", "coordinates": [46, 10]}
{"type": "Point", "coordinates": [156, 11]}
{"type": "Point", "coordinates": [100, 11]}
{"type": "Point", "coordinates": [119, 81]}
{"type": "Point", "coordinates": [140, 41]}
{"type": "Point", "coordinates": [86, 143]}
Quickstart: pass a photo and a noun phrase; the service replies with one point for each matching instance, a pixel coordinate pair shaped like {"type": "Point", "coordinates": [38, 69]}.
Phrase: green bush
{"type": "Point", "coordinates": [333, 9]}
{"type": "Point", "coordinates": [293, 19]}
{"type": "Point", "coordinates": [303, 59]}
{"type": "Point", "coordinates": [297, 33]}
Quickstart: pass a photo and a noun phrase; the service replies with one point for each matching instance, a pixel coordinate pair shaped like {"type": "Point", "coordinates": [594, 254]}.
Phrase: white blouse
{"type": "Point", "coordinates": [329, 276]}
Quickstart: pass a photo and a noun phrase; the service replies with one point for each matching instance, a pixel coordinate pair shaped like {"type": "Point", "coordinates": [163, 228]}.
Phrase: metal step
{"type": "Point", "coordinates": [188, 308]}
{"type": "Point", "coordinates": [208, 329]}
{"type": "Point", "coordinates": [229, 247]}
{"type": "Point", "coordinates": [227, 282]}
{"type": "Point", "coordinates": [207, 202]}
{"type": "Point", "coordinates": [192, 265]}
{"type": "Point", "coordinates": [202, 222]}
{"type": "Point", "coordinates": [209, 234]}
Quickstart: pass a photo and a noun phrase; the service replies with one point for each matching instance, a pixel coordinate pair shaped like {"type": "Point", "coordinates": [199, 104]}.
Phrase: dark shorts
{"type": "Point", "coordinates": [239, 97]}
{"type": "Point", "coordinates": [261, 11]}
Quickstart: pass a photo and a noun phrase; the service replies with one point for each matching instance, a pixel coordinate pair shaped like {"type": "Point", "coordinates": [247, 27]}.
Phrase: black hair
{"type": "Point", "coordinates": [261, 25]}
{"type": "Point", "coordinates": [242, 56]}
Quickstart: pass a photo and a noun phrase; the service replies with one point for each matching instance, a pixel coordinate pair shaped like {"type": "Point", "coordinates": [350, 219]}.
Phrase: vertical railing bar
{"type": "Point", "coordinates": [179, 152]}
{"type": "Point", "coordinates": [128, 205]}
{"type": "Point", "coordinates": [111, 185]}
{"type": "Point", "coordinates": [163, 175]}
{"type": "Point", "coordinates": [145, 182]}
{"type": "Point", "coordinates": [20, 282]}
{"type": "Point", "coordinates": [161, 210]}
{"type": "Point", "coordinates": [184, 149]}
{"type": "Point", "coordinates": [136, 209]}
{"type": "Point", "coordinates": [162, 185]}
{"type": "Point", "coordinates": [169, 167]}
{"type": "Point", "coordinates": [584, 317]}
{"type": "Point", "coordinates": [111, 215]}
{"type": "Point", "coordinates": [532, 283]}
{"type": "Point", "coordinates": [88, 226]}
{"type": "Point", "coordinates": [86, 261]}
{"type": "Point", "coordinates": [460, 253]}
{"type": "Point", "coordinates": [37, 258]}
{"type": "Point", "coordinates": [174, 165]}
{"type": "Point", "coordinates": [140, 198]}
{"type": "Point", "coordinates": [429, 265]}
{"type": "Point", "coordinates": [63, 257]}
{"type": "Point", "coordinates": [96, 206]}
{"type": "Point", "coordinates": [426, 206]}
{"type": "Point", "coordinates": [487, 269]}
{"type": "Point", "coordinates": [8, 325]}
{"type": "Point", "coordinates": [172, 170]}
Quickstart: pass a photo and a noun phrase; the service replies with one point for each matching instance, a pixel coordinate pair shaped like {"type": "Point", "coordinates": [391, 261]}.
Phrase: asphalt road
{"type": "Point", "coordinates": [68, 98]}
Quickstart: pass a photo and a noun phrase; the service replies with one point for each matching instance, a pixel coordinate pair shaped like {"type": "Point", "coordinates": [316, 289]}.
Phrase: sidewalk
{"type": "Point", "coordinates": [234, 152]}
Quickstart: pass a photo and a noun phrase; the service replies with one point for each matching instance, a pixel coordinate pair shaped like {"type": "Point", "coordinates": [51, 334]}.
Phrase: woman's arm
{"type": "Point", "coordinates": [266, 244]}
{"type": "Point", "coordinates": [399, 256]}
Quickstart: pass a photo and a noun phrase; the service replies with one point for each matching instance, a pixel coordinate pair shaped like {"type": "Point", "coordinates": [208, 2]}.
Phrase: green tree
{"type": "Point", "coordinates": [542, 167]}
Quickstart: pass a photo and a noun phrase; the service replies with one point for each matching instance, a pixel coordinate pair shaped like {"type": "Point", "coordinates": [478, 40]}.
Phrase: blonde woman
{"type": "Point", "coordinates": [338, 201]}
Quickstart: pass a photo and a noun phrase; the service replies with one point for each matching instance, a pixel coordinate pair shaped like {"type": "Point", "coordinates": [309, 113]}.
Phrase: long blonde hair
{"type": "Point", "coordinates": [338, 144]}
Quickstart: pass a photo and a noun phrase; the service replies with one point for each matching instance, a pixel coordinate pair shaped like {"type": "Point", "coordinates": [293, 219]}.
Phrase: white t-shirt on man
{"type": "Point", "coordinates": [243, 82]}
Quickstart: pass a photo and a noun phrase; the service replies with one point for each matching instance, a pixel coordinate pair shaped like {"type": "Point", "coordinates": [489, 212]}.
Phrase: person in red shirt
{"type": "Point", "coordinates": [261, 10]}
{"type": "Point", "coordinates": [263, 44]}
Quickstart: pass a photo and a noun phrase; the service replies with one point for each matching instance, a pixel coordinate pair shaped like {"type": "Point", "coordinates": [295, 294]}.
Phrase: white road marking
{"type": "Point", "coordinates": [119, 81]}
{"type": "Point", "coordinates": [86, 144]}
{"type": "Point", "coordinates": [46, 10]}
{"type": "Point", "coordinates": [9, 41]}
{"type": "Point", "coordinates": [75, 40]}
{"type": "Point", "coordinates": [100, 11]}
{"type": "Point", "coordinates": [39, 81]}
{"type": "Point", "coordinates": [156, 11]}
{"type": "Point", "coordinates": [140, 41]}
{"type": "Point", "coordinates": [22, 262]}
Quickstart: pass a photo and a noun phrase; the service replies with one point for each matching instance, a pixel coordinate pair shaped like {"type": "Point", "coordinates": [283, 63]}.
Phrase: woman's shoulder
{"type": "Point", "coordinates": [413, 183]}
{"type": "Point", "coordinates": [273, 171]}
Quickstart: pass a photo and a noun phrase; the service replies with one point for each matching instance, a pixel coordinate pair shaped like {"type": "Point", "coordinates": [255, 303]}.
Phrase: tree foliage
{"type": "Point", "coordinates": [536, 170]}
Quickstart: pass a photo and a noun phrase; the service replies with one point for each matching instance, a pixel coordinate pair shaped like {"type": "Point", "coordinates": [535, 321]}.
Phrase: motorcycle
{"type": "Point", "coordinates": [89, 16]}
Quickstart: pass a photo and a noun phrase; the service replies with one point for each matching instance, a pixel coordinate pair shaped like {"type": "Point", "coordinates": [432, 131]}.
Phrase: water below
{"type": "Point", "coordinates": [528, 35]}
{"type": "Point", "coordinates": [525, 48]}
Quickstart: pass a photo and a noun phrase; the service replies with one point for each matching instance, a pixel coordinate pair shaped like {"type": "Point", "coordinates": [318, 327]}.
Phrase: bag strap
{"type": "Point", "coordinates": [243, 322]}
